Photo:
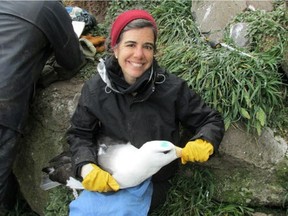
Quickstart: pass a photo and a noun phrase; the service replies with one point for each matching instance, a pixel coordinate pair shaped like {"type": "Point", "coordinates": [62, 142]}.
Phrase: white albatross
{"type": "Point", "coordinates": [129, 165]}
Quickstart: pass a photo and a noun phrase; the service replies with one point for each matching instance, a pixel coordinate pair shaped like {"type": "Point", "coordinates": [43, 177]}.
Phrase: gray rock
{"type": "Point", "coordinates": [250, 169]}
{"type": "Point", "coordinates": [45, 138]}
{"type": "Point", "coordinates": [214, 16]}
{"type": "Point", "coordinates": [238, 33]}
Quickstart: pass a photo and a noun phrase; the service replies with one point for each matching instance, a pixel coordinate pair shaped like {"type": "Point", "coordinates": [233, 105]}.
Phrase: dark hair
{"type": "Point", "coordinates": [135, 24]}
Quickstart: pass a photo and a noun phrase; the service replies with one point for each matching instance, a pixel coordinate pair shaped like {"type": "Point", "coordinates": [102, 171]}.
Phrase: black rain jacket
{"type": "Point", "coordinates": [29, 32]}
{"type": "Point", "coordinates": [157, 112]}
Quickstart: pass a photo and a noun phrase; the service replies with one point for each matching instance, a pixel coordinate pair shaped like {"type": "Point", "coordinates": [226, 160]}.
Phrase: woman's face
{"type": "Point", "coordinates": [135, 52]}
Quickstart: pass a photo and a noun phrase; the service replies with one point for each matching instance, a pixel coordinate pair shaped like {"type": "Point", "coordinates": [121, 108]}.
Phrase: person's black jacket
{"type": "Point", "coordinates": [30, 31]}
{"type": "Point", "coordinates": [163, 103]}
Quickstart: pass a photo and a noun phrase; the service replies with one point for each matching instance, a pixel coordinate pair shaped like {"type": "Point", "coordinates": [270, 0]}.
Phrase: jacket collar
{"type": "Point", "coordinates": [111, 74]}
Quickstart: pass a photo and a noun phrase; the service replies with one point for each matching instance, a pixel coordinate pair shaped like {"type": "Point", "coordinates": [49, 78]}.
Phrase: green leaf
{"type": "Point", "coordinates": [227, 123]}
{"type": "Point", "coordinates": [247, 98]}
{"type": "Point", "coordinates": [261, 116]}
{"type": "Point", "coordinates": [244, 113]}
{"type": "Point", "coordinates": [258, 128]}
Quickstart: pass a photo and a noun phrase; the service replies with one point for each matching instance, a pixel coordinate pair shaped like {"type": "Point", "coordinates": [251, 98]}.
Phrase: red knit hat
{"type": "Point", "coordinates": [123, 19]}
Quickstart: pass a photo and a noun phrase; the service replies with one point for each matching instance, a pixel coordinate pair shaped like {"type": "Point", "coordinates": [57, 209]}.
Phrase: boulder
{"type": "Point", "coordinates": [213, 16]}
{"type": "Point", "coordinates": [45, 138]}
{"type": "Point", "coordinates": [250, 169]}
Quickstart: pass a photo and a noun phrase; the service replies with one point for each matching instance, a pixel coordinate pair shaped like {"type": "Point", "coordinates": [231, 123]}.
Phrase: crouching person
{"type": "Point", "coordinates": [29, 33]}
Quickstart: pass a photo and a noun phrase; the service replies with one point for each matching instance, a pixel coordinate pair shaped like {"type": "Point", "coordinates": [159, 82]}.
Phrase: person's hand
{"type": "Point", "coordinates": [196, 151]}
{"type": "Point", "coordinates": [96, 179]}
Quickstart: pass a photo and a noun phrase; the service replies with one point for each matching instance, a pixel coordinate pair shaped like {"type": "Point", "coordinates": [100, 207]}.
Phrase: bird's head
{"type": "Point", "coordinates": [158, 146]}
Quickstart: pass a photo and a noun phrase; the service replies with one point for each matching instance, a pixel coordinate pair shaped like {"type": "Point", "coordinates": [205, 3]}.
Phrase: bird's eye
{"type": "Point", "coordinates": [165, 152]}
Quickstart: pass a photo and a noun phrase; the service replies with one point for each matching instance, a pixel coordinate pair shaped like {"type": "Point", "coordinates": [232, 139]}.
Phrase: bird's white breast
{"type": "Point", "coordinates": [131, 166]}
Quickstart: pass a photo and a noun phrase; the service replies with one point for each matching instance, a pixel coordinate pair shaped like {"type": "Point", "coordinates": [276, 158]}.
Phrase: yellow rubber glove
{"type": "Point", "coordinates": [96, 179]}
{"type": "Point", "coordinates": [196, 151]}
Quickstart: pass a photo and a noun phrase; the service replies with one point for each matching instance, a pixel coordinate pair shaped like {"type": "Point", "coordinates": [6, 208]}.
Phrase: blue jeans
{"type": "Point", "coordinates": [134, 201]}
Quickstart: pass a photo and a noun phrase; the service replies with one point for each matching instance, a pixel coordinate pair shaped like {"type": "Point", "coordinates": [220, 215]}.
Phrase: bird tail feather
{"type": "Point", "coordinates": [74, 184]}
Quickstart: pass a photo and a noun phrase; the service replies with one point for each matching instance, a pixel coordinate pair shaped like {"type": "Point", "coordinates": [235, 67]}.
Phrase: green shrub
{"type": "Point", "coordinates": [59, 199]}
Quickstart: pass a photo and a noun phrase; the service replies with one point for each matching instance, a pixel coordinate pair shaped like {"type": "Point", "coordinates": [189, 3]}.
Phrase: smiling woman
{"type": "Point", "coordinates": [133, 100]}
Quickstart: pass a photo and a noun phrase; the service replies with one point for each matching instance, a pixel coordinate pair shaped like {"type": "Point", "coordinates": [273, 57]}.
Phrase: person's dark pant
{"type": "Point", "coordinates": [160, 191]}
{"type": "Point", "coordinates": [8, 183]}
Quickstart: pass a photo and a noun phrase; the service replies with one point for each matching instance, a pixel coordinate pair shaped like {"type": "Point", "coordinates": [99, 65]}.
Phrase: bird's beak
{"type": "Point", "coordinates": [178, 151]}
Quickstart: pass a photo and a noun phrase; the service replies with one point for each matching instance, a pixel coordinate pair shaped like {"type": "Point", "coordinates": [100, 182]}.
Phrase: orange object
{"type": "Point", "coordinates": [100, 48]}
{"type": "Point", "coordinates": [97, 41]}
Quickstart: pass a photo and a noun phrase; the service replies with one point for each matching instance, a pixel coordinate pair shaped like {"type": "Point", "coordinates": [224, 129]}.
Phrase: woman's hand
{"type": "Point", "coordinates": [196, 151]}
{"type": "Point", "coordinates": [96, 179]}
